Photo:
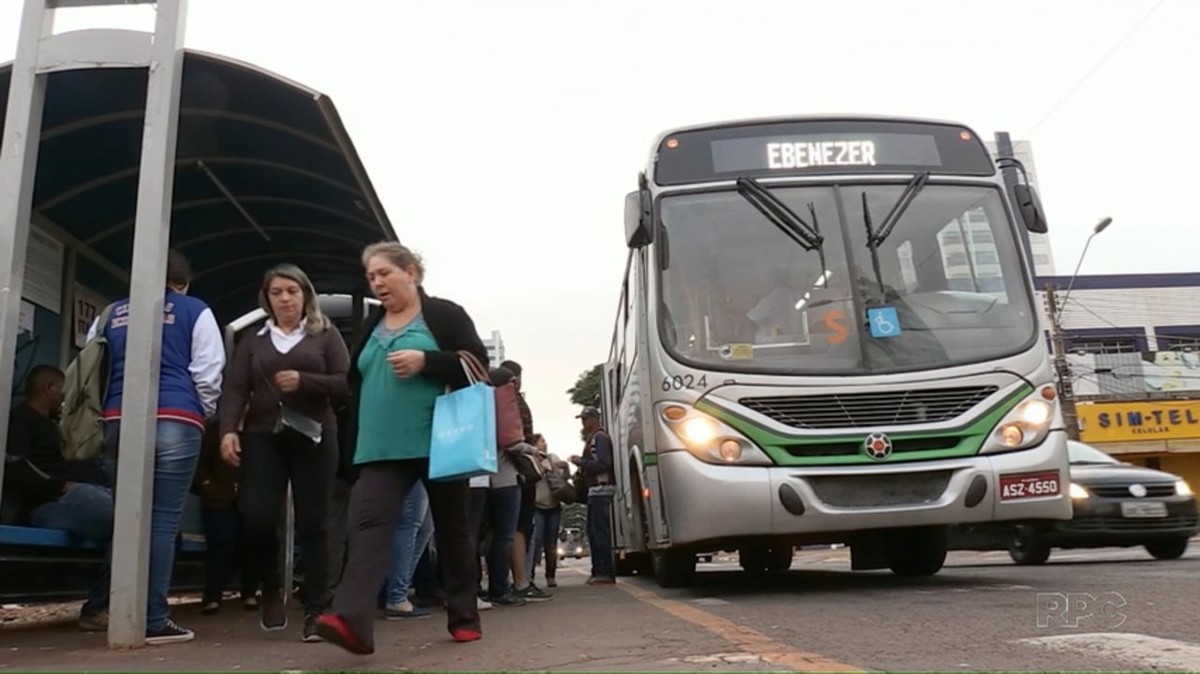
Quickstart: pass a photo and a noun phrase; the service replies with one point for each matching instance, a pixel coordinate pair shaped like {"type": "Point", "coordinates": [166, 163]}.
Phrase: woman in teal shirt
{"type": "Point", "coordinates": [409, 357]}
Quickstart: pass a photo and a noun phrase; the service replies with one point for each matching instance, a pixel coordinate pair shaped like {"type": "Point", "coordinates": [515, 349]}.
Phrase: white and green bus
{"type": "Point", "coordinates": [827, 334]}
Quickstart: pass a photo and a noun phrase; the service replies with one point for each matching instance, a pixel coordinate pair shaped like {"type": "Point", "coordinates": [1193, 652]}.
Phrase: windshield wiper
{"type": "Point", "coordinates": [875, 238]}
{"type": "Point", "coordinates": [777, 213]}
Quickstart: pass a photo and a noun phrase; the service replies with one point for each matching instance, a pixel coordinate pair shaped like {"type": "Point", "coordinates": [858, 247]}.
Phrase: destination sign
{"type": "Point", "coordinates": [820, 147]}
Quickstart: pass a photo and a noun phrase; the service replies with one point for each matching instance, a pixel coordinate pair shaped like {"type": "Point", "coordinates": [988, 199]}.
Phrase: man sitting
{"type": "Point", "coordinates": [53, 492]}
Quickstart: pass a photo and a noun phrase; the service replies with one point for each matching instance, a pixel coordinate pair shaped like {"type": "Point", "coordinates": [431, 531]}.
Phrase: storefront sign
{"type": "Point", "coordinates": [1131, 422]}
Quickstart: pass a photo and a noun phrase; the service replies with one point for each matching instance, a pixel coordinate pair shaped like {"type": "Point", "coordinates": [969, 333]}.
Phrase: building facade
{"type": "Point", "coordinates": [1043, 257]}
{"type": "Point", "coordinates": [495, 349]}
{"type": "Point", "coordinates": [1132, 342]}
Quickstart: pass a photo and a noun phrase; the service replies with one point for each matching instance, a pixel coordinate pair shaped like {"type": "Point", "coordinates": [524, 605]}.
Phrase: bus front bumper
{"type": "Point", "coordinates": [707, 502]}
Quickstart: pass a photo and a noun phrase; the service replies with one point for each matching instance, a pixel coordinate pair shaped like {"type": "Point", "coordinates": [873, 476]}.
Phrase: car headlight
{"type": "Point", "coordinates": [708, 439]}
{"type": "Point", "coordinates": [1078, 492]}
{"type": "Point", "coordinates": [1182, 488]}
{"type": "Point", "coordinates": [1025, 425]}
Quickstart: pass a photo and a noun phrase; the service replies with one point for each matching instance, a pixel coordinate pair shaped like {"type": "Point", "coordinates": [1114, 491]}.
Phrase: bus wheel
{"type": "Point", "coordinates": [917, 552]}
{"type": "Point", "coordinates": [674, 568]}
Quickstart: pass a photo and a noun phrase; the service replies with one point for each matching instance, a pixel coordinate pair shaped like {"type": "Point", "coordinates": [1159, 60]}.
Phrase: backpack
{"type": "Point", "coordinates": [82, 421]}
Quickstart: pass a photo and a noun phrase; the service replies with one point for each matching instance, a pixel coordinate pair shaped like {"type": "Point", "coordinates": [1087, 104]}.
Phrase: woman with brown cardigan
{"type": "Point", "coordinates": [283, 385]}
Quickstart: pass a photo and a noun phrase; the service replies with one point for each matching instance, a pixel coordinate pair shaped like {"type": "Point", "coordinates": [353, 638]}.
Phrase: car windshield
{"type": "Point", "coordinates": [940, 285]}
{"type": "Point", "coordinates": [1082, 454]}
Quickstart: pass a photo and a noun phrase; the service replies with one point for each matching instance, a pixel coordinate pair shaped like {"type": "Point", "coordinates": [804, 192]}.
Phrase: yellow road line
{"type": "Point", "coordinates": [750, 641]}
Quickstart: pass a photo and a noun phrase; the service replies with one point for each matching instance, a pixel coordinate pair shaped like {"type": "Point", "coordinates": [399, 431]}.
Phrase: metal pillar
{"type": "Point", "coordinates": [18, 169]}
{"type": "Point", "coordinates": [40, 52]}
{"type": "Point", "coordinates": [139, 423]}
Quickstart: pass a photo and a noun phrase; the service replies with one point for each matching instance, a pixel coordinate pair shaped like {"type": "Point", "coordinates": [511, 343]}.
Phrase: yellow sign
{"type": "Point", "coordinates": [1130, 422]}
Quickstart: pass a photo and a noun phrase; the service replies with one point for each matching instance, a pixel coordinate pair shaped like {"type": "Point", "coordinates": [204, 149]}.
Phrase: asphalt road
{"type": "Point", "coordinates": [980, 613]}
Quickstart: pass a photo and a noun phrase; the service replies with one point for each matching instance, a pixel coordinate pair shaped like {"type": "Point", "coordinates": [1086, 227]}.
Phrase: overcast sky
{"type": "Point", "coordinates": [502, 136]}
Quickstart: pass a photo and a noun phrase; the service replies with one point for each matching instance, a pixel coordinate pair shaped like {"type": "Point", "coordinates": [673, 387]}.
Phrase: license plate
{"type": "Point", "coordinates": [1030, 485]}
{"type": "Point", "coordinates": [1143, 509]}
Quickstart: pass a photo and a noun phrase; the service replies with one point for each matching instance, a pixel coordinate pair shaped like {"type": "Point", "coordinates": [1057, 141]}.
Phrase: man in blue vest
{"type": "Point", "coordinates": [189, 384]}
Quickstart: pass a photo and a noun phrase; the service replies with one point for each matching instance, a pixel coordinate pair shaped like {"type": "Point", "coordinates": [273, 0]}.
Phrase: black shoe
{"type": "Point", "coordinates": [510, 599]}
{"type": "Point", "coordinates": [211, 607]}
{"type": "Point", "coordinates": [310, 628]}
{"type": "Point", "coordinates": [273, 617]}
{"type": "Point", "coordinates": [170, 633]}
{"type": "Point", "coordinates": [534, 593]}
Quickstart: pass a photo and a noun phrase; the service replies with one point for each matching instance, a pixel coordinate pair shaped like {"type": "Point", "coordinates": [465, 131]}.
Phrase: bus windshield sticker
{"type": "Point", "coordinates": [737, 352]}
{"type": "Point", "coordinates": [884, 321]}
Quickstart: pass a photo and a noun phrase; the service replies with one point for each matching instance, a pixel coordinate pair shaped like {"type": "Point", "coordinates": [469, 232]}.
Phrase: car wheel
{"type": "Point", "coordinates": [1027, 548]}
{"type": "Point", "coordinates": [1168, 549]}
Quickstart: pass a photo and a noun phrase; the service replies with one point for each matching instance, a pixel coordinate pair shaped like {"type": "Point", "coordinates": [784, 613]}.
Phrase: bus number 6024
{"type": "Point", "coordinates": [685, 381]}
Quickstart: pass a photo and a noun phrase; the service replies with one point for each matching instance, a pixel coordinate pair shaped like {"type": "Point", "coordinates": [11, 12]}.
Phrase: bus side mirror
{"type": "Point", "coordinates": [637, 223]}
{"type": "Point", "coordinates": [1030, 207]}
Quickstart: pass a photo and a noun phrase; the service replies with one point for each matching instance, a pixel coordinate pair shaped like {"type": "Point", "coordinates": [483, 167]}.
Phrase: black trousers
{"type": "Point", "coordinates": [269, 462]}
{"type": "Point", "coordinates": [337, 526]}
{"type": "Point", "coordinates": [378, 494]}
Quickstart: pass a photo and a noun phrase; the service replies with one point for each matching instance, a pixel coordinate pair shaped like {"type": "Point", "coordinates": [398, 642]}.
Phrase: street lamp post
{"type": "Point", "coordinates": [1100, 227]}
{"type": "Point", "coordinates": [1061, 366]}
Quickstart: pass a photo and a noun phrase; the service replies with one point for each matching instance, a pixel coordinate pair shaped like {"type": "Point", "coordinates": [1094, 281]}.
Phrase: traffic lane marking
{"type": "Point", "coordinates": [751, 641]}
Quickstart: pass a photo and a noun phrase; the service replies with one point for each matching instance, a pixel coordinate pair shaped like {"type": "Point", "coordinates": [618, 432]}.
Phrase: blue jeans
{"type": "Point", "coordinates": [176, 452]}
{"type": "Point", "coordinates": [504, 507]}
{"type": "Point", "coordinates": [84, 512]}
{"type": "Point", "coordinates": [412, 537]}
{"type": "Point", "coordinates": [546, 524]}
{"type": "Point", "coordinates": [599, 529]}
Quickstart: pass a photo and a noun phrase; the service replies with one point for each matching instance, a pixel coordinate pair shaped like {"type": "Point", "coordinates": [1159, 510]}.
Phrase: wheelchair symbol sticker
{"type": "Point", "coordinates": [884, 322]}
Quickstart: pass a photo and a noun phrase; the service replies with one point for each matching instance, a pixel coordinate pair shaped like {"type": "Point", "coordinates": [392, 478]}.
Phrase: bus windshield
{"type": "Point", "coordinates": [940, 285]}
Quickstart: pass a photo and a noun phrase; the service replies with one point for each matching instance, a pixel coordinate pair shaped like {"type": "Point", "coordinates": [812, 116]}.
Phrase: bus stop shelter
{"type": "Point", "coordinates": [118, 144]}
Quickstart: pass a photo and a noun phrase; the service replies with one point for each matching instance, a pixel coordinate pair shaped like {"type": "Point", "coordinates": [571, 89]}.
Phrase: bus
{"type": "Point", "coordinates": [827, 334]}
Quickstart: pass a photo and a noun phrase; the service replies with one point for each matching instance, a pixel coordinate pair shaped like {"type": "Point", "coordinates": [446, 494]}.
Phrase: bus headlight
{"type": "Point", "coordinates": [1079, 493]}
{"type": "Point", "coordinates": [1025, 425]}
{"type": "Point", "coordinates": [708, 439]}
{"type": "Point", "coordinates": [698, 430]}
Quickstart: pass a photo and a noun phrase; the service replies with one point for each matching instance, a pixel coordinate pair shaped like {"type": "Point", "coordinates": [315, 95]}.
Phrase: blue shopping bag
{"type": "Point", "coordinates": [463, 443]}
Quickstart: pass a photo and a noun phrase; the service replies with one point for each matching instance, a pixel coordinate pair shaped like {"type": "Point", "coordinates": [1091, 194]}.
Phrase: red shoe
{"type": "Point", "coordinates": [334, 629]}
{"type": "Point", "coordinates": [463, 635]}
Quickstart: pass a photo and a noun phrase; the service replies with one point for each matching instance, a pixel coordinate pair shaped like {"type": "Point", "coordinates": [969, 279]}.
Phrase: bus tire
{"type": "Point", "coordinates": [917, 552]}
{"type": "Point", "coordinates": [674, 568]}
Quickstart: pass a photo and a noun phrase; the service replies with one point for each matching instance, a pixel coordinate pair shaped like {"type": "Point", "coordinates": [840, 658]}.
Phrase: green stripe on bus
{"type": "Point", "coordinates": [969, 438]}
{"type": "Point", "coordinates": [649, 460]}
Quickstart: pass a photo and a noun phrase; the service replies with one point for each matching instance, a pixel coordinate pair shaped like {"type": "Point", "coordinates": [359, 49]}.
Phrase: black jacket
{"type": "Point", "coordinates": [454, 331]}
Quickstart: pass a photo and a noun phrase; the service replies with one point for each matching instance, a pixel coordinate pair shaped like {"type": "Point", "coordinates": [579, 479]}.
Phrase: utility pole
{"type": "Point", "coordinates": [1066, 390]}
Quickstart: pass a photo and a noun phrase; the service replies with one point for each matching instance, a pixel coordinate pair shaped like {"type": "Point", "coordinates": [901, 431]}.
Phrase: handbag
{"type": "Point", "coordinates": [463, 442]}
{"type": "Point", "coordinates": [525, 462]}
{"type": "Point", "coordinates": [509, 428]}
{"type": "Point", "coordinates": [291, 420]}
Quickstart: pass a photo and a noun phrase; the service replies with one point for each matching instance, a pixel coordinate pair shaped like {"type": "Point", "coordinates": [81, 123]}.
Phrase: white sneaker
{"type": "Point", "coordinates": [483, 605]}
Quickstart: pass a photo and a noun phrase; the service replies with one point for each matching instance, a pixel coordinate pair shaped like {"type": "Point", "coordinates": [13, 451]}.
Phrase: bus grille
{"type": "Point", "coordinates": [879, 491]}
{"type": "Point", "coordinates": [868, 410]}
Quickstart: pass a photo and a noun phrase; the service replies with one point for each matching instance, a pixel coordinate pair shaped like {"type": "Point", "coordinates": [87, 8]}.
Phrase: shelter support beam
{"type": "Point", "coordinates": [139, 423]}
{"type": "Point", "coordinates": [18, 169]}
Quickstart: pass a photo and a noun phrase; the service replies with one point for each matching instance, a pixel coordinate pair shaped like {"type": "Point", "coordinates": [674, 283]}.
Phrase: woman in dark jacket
{"type": "Point", "coordinates": [408, 356]}
{"type": "Point", "coordinates": [282, 388]}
